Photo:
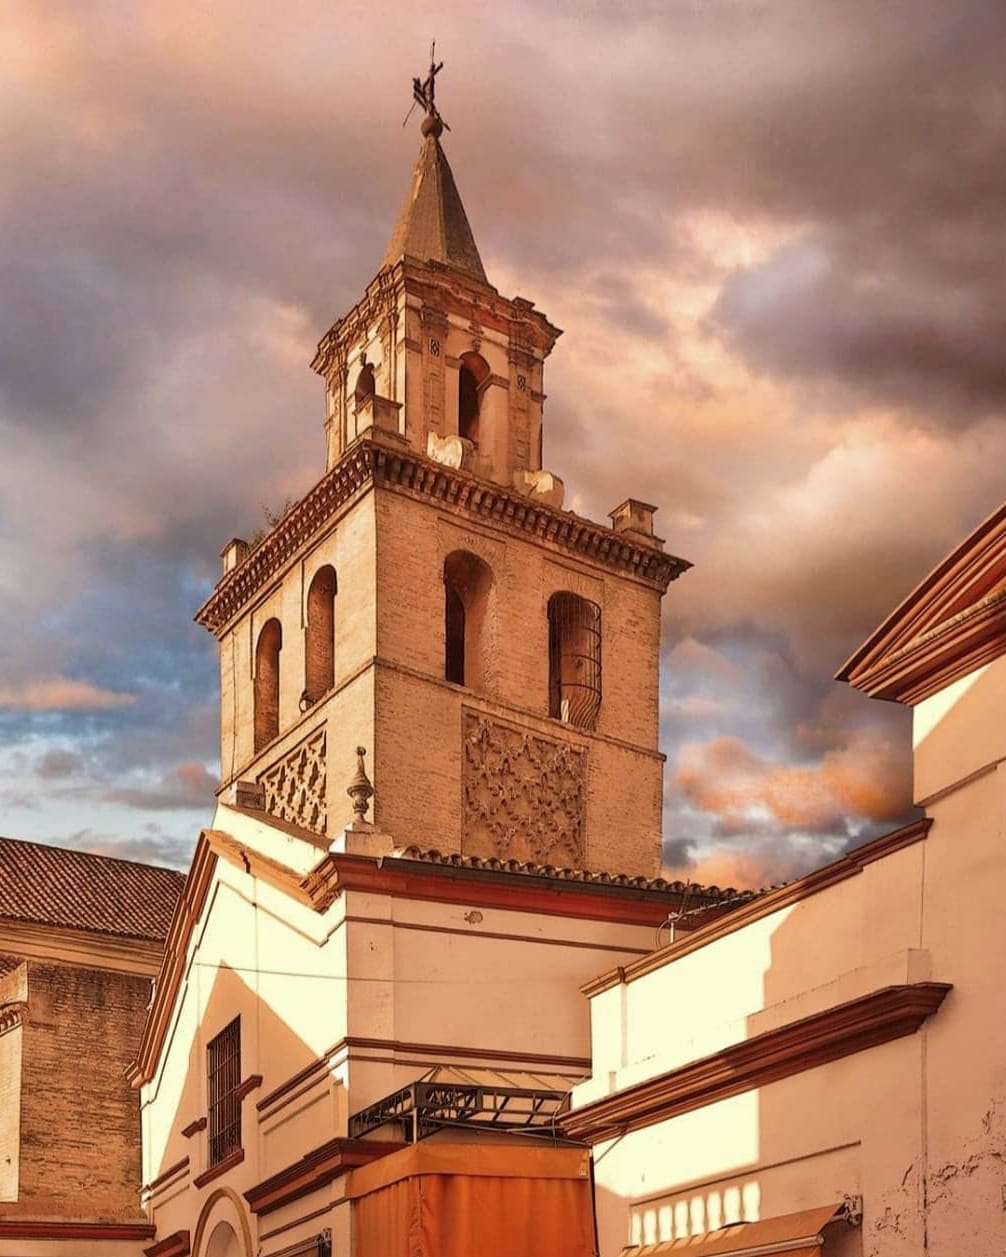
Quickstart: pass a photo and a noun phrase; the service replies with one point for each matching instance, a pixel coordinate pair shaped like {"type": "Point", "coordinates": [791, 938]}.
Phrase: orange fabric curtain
{"type": "Point", "coordinates": [449, 1212]}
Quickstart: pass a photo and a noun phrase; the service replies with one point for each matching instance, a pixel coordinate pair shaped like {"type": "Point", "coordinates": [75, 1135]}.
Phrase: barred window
{"type": "Point", "coordinates": [223, 1065]}
{"type": "Point", "coordinates": [574, 660]}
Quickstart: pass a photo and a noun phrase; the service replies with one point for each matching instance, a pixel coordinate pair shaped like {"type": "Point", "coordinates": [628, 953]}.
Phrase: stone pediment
{"type": "Point", "coordinates": [952, 622]}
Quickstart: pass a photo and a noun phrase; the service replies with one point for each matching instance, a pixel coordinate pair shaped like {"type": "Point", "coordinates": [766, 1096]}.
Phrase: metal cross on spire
{"type": "Point", "coordinates": [424, 91]}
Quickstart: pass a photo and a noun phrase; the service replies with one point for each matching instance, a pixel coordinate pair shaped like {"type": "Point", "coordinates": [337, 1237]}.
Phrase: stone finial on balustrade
{"type": "Point", "coordinates": [360, 790]}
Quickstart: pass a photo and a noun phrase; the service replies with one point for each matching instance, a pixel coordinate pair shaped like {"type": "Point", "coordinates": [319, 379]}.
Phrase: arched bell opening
{"type": "Point", "coordinates": [319, 636]}
{"type": "Point", "coordinates": [468, 620]}
{"type": "Point", "coordinates": [267, 652]}
{"type": "Point", "coordinates": [473, 378]}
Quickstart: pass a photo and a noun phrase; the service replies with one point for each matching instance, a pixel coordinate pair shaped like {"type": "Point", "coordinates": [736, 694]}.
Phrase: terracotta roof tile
{"type": "Point", "coordinates": [75, 890]}
{"type": "Point", "coordinates": [700, 896]}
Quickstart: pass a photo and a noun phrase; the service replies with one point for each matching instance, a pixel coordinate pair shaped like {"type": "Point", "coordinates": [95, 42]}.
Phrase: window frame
{"type": "Point", "coordinates": [223, 1093]}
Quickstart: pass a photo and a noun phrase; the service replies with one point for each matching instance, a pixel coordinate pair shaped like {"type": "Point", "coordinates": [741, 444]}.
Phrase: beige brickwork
{"type": "Point", "coordinates": [76, 1140]}
{"type": "Point", "coordinates": [421, 331]}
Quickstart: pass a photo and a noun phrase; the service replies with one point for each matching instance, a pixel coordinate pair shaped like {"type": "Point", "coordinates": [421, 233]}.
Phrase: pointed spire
{"type": "Point", "coordinates": [433, 224]}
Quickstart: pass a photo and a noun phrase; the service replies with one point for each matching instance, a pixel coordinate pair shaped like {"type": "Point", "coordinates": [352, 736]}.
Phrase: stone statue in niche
{"type": "Point", "coordinates": [524, 795]}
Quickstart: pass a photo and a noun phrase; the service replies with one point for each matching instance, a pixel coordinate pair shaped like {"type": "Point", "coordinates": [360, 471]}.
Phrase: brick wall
{"type": "Point", "coordinates": [80, 1124]}
{"type": "Point", "coordinates": [13, 990]}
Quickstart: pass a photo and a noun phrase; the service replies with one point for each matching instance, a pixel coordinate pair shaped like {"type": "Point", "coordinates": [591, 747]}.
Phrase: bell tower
{"type": "Point", "coordinates": [430, 600]}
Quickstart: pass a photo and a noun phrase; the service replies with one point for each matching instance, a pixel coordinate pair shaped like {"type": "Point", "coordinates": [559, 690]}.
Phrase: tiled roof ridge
{"type": "Point", "coordinates": [93, 855]}
{"type": "Point", "coordinates": [528, 868]}
{"type": "Point", "coordinates": [66, 888]}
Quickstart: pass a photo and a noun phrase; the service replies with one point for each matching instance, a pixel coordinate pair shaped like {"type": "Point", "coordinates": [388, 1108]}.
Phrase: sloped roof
{"type": "Point", "coordinates": [701, 896]}
{"type": "Point", "coordinates": [951, 623]}
{"type": "Point", "coordinates": [433, 224]}
{"type": "Point", "coordinates": [46, 885]}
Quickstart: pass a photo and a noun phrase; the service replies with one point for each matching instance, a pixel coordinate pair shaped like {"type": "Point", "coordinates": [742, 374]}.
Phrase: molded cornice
{"type": "Point", "coordinates": [379, 460]}
{"type": "Point", "coordinates": [952, 623]}
{"type": "Point", "coordinates": [439, 288]}
{"type": "Point", "coordinates": [890, 1013]}
{"type": "Point", "coordinates": [187, 913]}
{"type": "Point", "coordinates": [178, 1244]}
{"type": "Point", "coordinates": [96, 1232]}
{"type": "Point", "coordinates": [12, 1015]}
{"type": "Point", "coordinates": [314, 1170]}
{"type": "Point", "coordinates": [83, 948]}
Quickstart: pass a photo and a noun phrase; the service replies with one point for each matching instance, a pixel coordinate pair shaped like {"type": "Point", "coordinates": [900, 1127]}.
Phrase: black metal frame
{"type": "Point", "coordinates": [426, 1106]}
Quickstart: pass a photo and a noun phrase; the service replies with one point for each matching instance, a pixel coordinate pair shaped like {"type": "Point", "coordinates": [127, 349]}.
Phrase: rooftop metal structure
{"type": "Point", "coordinates": [476, 1099]}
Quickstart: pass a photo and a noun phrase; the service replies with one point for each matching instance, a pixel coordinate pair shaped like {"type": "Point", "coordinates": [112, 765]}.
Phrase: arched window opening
{"type": "Point", "coordinates": [319, 636]}
{"type": "Point", "coordinates": [365, 383]}
{"type": "Point", "coordinates": [454, 633]}
{"type": "Point", "coordinates": [223, 1242]}
{"type": "Point", "coordinates": [270, 643]}
{"type": "Point", "coordinates": [574, 660]}
{"type": "Point", "coordinates": [473, 376]}
{"type": "Point", "coordinates": [468, 584]}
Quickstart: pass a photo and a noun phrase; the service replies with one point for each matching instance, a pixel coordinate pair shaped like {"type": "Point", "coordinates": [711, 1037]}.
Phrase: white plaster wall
{"type": "Point", "coordinates": [918, 1125]}
{"type": "Point", "coordinates": [419, 982]}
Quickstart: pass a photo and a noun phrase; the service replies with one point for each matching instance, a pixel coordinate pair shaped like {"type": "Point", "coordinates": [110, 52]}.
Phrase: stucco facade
{"type": "Point", "coordinates": [352, 972]}
{"type": "Point", "coordinates": [855, 1046]}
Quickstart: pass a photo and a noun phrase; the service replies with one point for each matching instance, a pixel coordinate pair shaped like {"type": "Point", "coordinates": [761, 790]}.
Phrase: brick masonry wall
{"type": "Point", "coordinates": [80, 1121]}
{"type": "Point", "coordinates": [418, 751]}
{"type": "Point", "coordinates": [13, 990]}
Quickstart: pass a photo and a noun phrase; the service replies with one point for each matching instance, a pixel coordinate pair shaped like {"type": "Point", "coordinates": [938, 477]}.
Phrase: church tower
{"type": "Point", "coordinates": [430, 601]}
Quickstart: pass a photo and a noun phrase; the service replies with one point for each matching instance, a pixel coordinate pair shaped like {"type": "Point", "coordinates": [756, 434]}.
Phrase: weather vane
{"type": "Point", "coordinates": [424, 90]}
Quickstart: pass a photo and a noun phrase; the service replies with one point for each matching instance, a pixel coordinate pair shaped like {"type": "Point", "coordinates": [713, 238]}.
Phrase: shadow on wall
{"type": "Point", "coordinates": [266, 1046]}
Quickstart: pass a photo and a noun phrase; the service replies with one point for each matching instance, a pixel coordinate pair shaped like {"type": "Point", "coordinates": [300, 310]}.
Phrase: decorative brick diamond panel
{"type": "Point", "coordinates": [524, 794]}
{"type": "Point", "coordinates": [295, 787]}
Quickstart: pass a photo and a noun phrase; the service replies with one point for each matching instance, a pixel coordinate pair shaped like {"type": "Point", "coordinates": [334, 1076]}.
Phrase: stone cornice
{"type": "Point", "coordinates": [379, 461]}
{"type": "Point", "coordinates": [177, 1244]}
{"type": "Point", "coordinates": [83, 948]}
{"type": "Point", "coordinates": [12, 1015]}
{"type": "Point", "coordinates": [439, 286]}
{"type": "Point", "coordinates": [93, 1232]}
{"type": "Point", "coordinates": [890, 1013]}
{"type": "Point", "coordinates": [934, 659]}
{"type": "Point", "coordinates": [952, 623]}
{"type": "Point", "coordinates": [187, 912]}
{"type": "Point", "coordinates": [315, 1169]}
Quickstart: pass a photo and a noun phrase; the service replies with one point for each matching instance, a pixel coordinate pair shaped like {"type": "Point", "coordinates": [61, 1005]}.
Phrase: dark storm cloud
{"type": "Point", "coordinates": [813, 312]}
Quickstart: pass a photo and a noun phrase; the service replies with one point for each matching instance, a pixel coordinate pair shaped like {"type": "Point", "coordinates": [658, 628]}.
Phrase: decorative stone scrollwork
{"type": "Point", "coordinates": [524, 795]}
{"type": "Point", "coordinates": [295, 787]}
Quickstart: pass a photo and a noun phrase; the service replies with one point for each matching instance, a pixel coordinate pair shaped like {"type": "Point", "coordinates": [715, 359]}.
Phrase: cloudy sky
{"type": "Point", "coordinates": [773, 231]}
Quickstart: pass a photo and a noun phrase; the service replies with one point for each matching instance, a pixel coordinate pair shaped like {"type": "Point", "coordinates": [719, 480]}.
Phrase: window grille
{"type": "Point", "coordinates": [574, 660]}
{"type": "Point", "coordinates": [223, 1060]}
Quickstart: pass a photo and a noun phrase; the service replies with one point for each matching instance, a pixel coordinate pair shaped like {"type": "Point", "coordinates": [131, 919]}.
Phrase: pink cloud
{"type": "Point", "coordinates": [866, 778]}
{"type": "Point", "coordinates": [61, 694]}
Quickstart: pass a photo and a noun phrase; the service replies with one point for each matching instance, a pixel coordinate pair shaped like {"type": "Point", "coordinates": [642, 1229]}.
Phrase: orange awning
{"type": "Point", "coordinates": [436, 1199]}
{"type": "Point", "coordinates": [790, 1234]}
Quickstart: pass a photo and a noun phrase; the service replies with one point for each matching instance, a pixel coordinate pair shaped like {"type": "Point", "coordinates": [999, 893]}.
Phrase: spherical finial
{"type": "Point", "coordinates": [433, 125]}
